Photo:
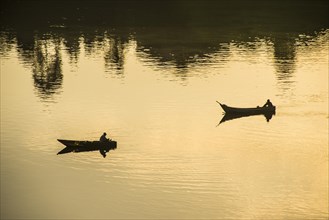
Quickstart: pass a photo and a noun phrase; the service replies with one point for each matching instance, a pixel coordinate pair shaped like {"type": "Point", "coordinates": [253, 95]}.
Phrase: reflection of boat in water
{"type": "Point", "coordinates": [231, 116]}
{"type": "Point", "coordinates": [234, 113]}
{"type": "Point", "coordinates": [83, 146]}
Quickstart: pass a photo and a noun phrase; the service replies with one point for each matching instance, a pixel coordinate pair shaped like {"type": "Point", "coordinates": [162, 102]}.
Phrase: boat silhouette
{"type": "Point", "coordinates": [232, 113]}
{"type": "Point", "coordinates": [85, 146]}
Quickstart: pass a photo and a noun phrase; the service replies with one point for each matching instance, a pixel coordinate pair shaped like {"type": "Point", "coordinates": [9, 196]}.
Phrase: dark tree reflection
{"type": "Point", "coordinates": [72, 45]}
{"type": "Point", "coordinates": [175, 34]}
{"type": "Point", "coordinates": [7, 42]}
{"type": "Point", "coordinates": [26, 46]}
{"type": "Point", "coordinates": [284, 61]}
{"type": "Point", "coordinates": [47, 68]}
{"type": "Point", "coordinates": [285, 56]}
{"type": "Point", "coordinates": [93, 41]}
{"type": "Point", "coordinates": [40, 52]}
{"type": "Point", "coordinates": [180, 47]}
{"type": "Point", "coordinates": [114, 55]}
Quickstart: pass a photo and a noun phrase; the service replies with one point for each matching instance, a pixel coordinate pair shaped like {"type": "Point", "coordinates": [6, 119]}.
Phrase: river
{"type": "Point", "coordinates": [153, 88]}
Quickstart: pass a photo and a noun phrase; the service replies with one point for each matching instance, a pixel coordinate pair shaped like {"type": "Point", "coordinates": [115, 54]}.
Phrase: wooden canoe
{"type": "Point", "coordinates": [82, 146]}
{"type": "Point", "coordinates": [248, 111]}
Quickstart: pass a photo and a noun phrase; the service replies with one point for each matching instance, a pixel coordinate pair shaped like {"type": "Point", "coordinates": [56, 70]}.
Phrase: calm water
{"type": "Point", "coordinates": [153, 89]}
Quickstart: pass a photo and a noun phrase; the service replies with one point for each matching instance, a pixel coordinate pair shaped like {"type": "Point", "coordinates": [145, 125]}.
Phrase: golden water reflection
{"type": "Point", "coordinates": [43, 52]}
{"type": "Point", "coordinates": [171, 161]}
{"type": "Point", "coordinates": [149, 75]}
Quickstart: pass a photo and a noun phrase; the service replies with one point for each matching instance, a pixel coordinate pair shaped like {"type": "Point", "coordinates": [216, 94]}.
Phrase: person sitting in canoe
{"type": "Point", "coordinates": [268, 103]}
{"type": "Point", "coordinates": [103, 138]}
{"type": "Point", "coordinates": [102, 149]}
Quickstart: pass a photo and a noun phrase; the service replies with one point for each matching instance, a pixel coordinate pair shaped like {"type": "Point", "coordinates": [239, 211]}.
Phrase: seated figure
{"type": "Point", "coordinates": [268, 103]}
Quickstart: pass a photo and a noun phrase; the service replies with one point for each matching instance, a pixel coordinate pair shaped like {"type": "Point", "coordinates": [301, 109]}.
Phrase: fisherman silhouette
{"type": "Point", "coordinates": [102, 149]}
{"type": "Point", "coordinates": [103, 138]}
{"type": "Point", "coordinates": [268, 103]}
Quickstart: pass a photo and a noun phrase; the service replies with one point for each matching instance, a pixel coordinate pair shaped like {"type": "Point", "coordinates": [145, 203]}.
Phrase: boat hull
{"type": "Point", "coordinates": [248, 111]}
{"type": "Point", "coordinates": [234, 113]}
{"type": "Point", "coordinates": [83, 146]}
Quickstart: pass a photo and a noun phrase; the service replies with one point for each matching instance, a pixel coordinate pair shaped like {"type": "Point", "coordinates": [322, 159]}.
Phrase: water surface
{"type": "Point", "coordinates": [152, 86]}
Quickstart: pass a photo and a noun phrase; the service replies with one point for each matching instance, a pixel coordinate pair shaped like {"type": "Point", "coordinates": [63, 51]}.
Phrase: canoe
{"type": "Point", "coordinates": [234, 113]}
{"type": "Point", "coordinates": [250, 111]}
{"type": "Point", "coordinates": [83, 146]}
